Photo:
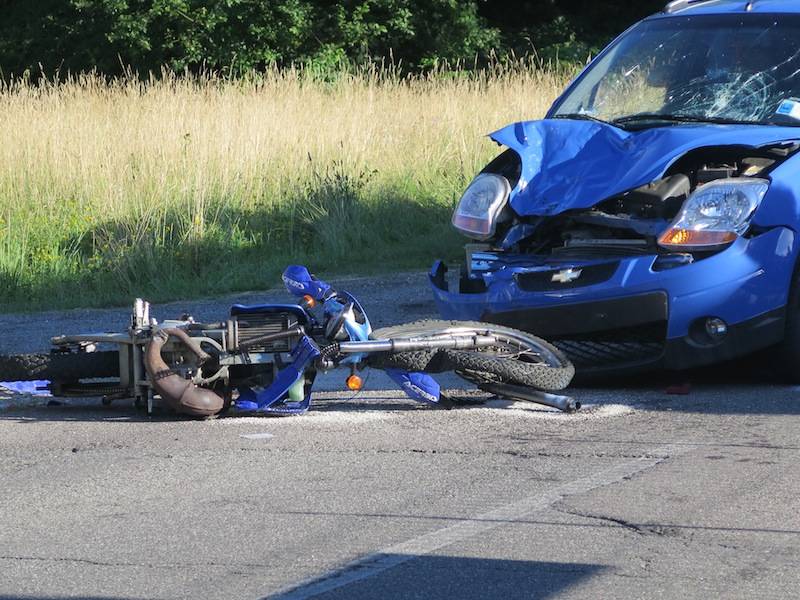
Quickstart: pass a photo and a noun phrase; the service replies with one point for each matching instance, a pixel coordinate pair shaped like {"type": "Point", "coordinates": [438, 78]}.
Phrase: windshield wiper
{"type": "Point", "coordinates": [662, 118]}
{"type": "Point", "coordinates": [581, 117]}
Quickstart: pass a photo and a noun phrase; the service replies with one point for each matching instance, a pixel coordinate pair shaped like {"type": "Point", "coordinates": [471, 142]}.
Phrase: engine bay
{"type": "Point", "coordinates": [630, 224]}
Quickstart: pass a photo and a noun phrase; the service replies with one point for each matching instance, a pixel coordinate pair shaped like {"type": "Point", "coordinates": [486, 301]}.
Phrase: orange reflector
{"type": "Point", "coordinates": [696, 239]}
{"type": "Point", "coordinates": [309, 301]}
{"type": "Point", "coordinates": [354, 383]}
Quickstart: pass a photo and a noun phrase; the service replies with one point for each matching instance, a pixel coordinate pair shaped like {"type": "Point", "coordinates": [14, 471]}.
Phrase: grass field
{"type": "Point", "coordinates": [193, 186]}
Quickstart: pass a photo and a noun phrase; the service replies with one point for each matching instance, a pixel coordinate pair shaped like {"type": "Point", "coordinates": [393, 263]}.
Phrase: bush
{"type": "Point", "coordinates": [234, 36]}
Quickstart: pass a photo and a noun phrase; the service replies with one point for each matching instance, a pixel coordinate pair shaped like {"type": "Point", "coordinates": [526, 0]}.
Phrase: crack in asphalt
{"type": "Point", "coordinates": [646, 529]}
{"type": "Point", "coordinates": [546, 454]}
{"type": "Point", "coordinates": [98, 563]}
{"type": "Point", "coordinates": [483, 452]}
{"type": "Point", "coordinates": [428, 543]}
{"type": "Point", "coordinates": [640, 528]}
{"type": "Point", "coordinates": [136, 453]}
{"type": "Point", "coordinates": [19, 468]}
{"type": "Point", "coordinates": [699, 444]}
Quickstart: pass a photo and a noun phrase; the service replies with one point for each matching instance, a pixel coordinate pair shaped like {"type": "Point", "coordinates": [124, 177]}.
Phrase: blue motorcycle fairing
{"type": "Point", "coordinates": [299, 282]}
{"type": "Point", "coordinates": [357, 332]}
{"type": "Point", "coordinates": [571, 164]}
{"type": "Point", "coordinates": [34, 388]}
{"type": "Point", "coordinates": [303, 354]}
{"type": "Point", "coordinates": [417, 386]}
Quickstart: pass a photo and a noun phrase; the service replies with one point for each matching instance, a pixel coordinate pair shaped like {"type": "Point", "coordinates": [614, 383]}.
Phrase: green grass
{"type": "Point", "coordinates": [187, 187]}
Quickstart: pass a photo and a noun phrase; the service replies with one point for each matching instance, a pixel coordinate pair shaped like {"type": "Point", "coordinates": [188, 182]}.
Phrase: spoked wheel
{"type": "Point", "coordinates": [518, 357]}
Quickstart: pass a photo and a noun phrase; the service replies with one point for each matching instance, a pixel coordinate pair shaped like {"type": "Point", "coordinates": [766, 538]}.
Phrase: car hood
{"type": "Point", "coordinates": [571, 164]}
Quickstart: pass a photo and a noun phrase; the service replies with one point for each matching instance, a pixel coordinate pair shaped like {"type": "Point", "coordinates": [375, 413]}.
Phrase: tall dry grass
{"type": "Point", "coordinates": [192, 185]}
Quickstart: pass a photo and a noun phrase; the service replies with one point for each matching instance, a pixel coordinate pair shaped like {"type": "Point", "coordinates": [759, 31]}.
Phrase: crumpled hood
{"type": "Point", "coordinates": [570, 164]}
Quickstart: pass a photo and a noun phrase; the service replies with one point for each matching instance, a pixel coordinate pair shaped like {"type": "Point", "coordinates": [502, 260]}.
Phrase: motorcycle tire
{"type": "Point", "coordinates": [59, 366]}
{"type": "Point", "coordinates": [520, 358]}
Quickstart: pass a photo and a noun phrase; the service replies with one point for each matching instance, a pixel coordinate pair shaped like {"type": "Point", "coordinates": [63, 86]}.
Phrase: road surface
{"type": "Point", "coordinates": [642, 494]}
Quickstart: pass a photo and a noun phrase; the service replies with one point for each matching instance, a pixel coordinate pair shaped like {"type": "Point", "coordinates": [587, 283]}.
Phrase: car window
{"type": "Point", "coordinates": [737, 67]}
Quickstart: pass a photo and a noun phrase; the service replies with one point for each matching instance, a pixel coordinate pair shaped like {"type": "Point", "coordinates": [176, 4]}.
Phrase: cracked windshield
{"type": "Point", "coordinates": [725, 69]}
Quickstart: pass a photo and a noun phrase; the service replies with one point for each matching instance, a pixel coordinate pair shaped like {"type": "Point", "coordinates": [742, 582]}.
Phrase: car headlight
{"type": "Point", "coordinates": [477, 211]}
{"type": "Point", "coordinates": [715, 214]}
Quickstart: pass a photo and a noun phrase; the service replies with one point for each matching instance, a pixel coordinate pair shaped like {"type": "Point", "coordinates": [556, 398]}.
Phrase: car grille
{"type": "Point", "coordinates": [542, 281]}
{"type": "Point", "coordinates": [615, 349]}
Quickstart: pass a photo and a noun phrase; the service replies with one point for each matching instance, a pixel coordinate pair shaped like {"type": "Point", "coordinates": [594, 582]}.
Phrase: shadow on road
{"type": "Point", "coordinates": [23, 409]}
{"type": "Point", "coordinates": [749, 385]}
{"type": "Point", "coordinates": [746, 386]}
{"type": "Point", "coordinates": [434, 577]}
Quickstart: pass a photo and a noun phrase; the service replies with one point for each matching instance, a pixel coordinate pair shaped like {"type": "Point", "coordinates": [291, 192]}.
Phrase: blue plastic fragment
{"type": "Point", "coordinates": [269, 400]}
{"type": "Point", "coordinates": [417, 386]}
{"type": "Point", "coordinates": [33, 388]}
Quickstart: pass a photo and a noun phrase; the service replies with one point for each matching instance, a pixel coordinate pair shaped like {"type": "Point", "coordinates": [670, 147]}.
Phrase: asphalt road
{"type": "Point", "coordinates": [640, 495]}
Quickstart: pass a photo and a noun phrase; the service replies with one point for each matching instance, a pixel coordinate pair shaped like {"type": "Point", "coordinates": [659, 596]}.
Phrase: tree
{"type": "Point", "coordinates": [573, 28]}
{"type": "Point", "coordinates": [234, 36]}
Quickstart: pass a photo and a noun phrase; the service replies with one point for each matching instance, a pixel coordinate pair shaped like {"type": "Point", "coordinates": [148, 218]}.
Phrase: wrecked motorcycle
{"type": "Point", "coordinates": [264, 358]}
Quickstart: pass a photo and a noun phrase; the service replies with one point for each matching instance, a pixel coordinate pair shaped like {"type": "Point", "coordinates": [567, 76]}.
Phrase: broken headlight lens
{"type": "Point", "coordinates": [715, 214]}
{"type": "Point", "coordinates": [477, 211]}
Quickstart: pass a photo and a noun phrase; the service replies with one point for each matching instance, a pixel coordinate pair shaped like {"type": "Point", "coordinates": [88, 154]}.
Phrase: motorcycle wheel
{"type": "Point", "coordinates": [518, 358]}
{"type": "Point", "coordinates": [59, 366]}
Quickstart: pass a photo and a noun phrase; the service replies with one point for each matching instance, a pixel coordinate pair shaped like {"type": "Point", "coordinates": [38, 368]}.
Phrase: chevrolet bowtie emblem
{"type": "Point", "coordinates": [566, 276]}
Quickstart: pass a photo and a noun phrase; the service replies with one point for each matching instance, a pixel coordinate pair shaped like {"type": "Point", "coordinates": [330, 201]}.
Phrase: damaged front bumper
{"type": "Point", "coordinates": [624, 312]}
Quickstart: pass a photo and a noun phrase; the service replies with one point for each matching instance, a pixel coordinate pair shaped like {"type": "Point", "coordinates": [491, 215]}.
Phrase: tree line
{"type": "Point", "coordinates": [235, 36]}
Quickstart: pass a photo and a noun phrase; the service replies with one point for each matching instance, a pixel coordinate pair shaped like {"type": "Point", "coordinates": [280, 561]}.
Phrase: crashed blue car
{"type": "Point", "coordinates": [651, 219]}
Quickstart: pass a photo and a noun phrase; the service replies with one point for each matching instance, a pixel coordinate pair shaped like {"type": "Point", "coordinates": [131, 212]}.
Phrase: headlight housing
{"type": "Point", "coordinates": [715, 214]}
{"type": "Point", "coordinates": [477, 212]}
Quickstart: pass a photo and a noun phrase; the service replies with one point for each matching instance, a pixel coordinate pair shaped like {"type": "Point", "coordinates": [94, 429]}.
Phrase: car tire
{"type": "Point", "coordinates": [787, 353]}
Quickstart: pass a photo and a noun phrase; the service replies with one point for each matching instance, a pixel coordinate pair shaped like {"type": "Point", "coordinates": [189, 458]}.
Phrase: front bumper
{"type": "Point", "coordinates": [632, 311]}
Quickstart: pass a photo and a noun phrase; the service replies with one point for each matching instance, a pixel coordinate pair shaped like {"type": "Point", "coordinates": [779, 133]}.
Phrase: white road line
{"type": "Point", "coordinates": [257, 436]}
{"type": "Point", "coordinates": [390, 557]}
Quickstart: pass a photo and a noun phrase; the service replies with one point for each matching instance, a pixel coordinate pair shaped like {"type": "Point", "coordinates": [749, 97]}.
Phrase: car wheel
{"type": "Point", "coordinates": [788, 351]}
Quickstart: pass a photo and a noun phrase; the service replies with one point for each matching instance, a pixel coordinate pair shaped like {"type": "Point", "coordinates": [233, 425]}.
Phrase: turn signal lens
{"type": "Point", "coordinates": [354, 383]}
{"type": "Point", "coordinates": [309, 302]}
{"type": "Point", "coordinates": [686, 238]}
{"type": "Point", "coordinates": [715, 214]}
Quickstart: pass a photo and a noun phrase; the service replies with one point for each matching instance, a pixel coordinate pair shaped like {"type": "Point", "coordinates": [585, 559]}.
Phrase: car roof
{"type": "Point", "coordinates": [719, 7]}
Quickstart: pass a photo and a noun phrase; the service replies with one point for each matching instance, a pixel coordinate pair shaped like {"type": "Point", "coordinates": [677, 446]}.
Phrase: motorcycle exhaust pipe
{"type": "Point", "coordinates": [516, 392]}
{"type": "Point", "coordinates": [181, 395]}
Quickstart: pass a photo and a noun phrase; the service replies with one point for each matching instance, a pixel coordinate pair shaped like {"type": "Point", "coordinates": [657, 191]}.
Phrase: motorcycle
{"type": "Point", "coordinates": [263, 359]}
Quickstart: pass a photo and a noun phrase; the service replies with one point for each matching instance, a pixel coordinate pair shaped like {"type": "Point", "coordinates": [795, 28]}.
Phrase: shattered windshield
{"type": "Point", "coordinates": [720, 68]}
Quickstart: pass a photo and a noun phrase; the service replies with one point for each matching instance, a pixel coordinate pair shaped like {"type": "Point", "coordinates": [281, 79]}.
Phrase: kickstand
{"type": "Point", "coordinates": [516, 392]}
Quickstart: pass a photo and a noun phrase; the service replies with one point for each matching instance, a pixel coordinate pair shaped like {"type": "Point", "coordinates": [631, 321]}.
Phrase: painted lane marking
{"type": "Point", "coordinates": [387, 558]}
{"type": "Point", "coordinates": [257, 436]}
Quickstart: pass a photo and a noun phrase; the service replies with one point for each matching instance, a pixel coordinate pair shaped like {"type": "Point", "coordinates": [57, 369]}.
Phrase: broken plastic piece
{"type": "Point", "coordinates": [680, 389]}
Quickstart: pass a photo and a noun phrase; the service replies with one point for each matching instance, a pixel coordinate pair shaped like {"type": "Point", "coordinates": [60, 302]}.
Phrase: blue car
{"type": "Point", "coordinates": [651, 219]}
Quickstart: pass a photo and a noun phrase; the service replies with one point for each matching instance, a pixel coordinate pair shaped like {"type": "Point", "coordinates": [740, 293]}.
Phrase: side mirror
{"type": "Point", "coordinates": [299, 282]}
